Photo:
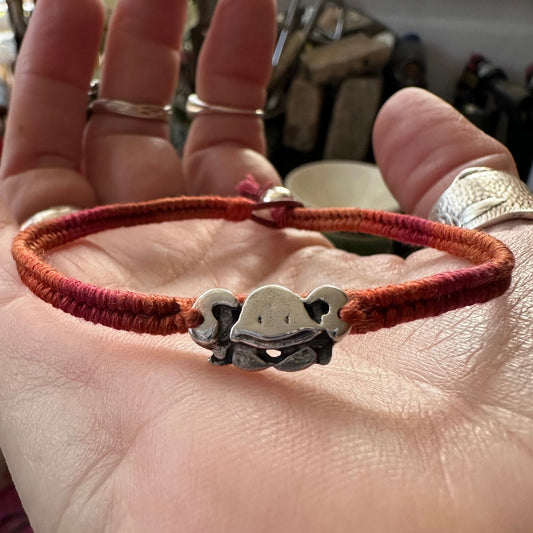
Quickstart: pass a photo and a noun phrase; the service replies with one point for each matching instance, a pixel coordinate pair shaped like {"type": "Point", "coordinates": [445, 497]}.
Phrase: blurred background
{"type": "Point", "coordinates": [454, 29]}
{"type": "Point", "coordinates": [337, 61]}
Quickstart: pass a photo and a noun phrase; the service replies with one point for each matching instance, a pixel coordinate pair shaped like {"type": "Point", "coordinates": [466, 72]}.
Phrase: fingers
{"type": "Point", "coordinates": [421, 143]}
{"type": "Point", "coordinates": [233, 70]}
{"type": "Point", "coordinates": [131, 159]}
{"type": "Point", "coordinates": [48, 106]}
{"type": "Point", "coordinates": [142, 56]}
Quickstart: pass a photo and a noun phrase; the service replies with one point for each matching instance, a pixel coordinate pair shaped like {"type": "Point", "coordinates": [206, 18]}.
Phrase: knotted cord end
{"type": "Point", "coordinates": [275, 200]}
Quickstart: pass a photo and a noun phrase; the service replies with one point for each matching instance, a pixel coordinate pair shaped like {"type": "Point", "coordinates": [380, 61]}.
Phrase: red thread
{"type": "Point", "coordinates": [249, 188]}
{"type": "Point", "coordinates": [367, 309]}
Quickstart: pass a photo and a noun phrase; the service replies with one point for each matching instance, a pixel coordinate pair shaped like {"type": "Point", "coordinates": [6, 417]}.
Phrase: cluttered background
{"type": "Point", "coordinates": [336, 61]}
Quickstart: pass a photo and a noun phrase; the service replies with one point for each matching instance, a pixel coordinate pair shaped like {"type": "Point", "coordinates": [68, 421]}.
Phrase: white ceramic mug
{"type": "Point", "coordinates": [344, 184]}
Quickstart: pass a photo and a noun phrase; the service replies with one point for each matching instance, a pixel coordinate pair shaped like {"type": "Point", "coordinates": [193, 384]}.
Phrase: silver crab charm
{"type": "Point", "coordinates": [273, 327]}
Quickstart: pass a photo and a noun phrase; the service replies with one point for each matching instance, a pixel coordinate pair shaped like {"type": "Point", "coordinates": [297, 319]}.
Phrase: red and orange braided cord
{"type": "Point", "coordinates": [367, 309]}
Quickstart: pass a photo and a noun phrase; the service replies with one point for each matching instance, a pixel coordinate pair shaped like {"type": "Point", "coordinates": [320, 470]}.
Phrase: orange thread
{"type": "Point", "coordinates": [367, 309]}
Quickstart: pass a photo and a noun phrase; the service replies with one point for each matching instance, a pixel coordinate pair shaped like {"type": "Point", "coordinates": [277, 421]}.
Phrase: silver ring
{"type": "Point", "coordinates": [124, 108]}
{"type": "Point", "coordinates": [50, 214]}
{"type": "Point", "coordinates": [129, 109]}
{"type": "Point", "coordinates": [480, 196]}
{"type": "Point", "coordinates": [195, 106]}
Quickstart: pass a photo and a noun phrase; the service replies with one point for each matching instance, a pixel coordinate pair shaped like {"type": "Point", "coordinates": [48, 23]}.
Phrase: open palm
{"type": "Point", "coordinates": [423, 427]}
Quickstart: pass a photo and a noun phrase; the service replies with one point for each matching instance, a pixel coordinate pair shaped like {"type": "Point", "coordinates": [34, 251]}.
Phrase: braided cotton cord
{"type": "Point", "coordinates": [383, 307]}
{"type": "Point", "coordinates": [367, 309]}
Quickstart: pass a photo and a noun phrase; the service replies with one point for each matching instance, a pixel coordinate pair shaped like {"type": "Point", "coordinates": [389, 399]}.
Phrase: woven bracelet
{"type": "Point", "coordinates": [272, 326]}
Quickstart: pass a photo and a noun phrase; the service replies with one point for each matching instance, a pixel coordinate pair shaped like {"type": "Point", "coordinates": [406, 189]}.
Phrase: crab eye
{"type": "Point", "coordinates": [260, 319]}
{"type": "Point", "coordinates": [287, 319]}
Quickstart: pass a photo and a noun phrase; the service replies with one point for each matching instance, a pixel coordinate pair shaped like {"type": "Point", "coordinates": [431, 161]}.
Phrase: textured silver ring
{"type": "Point", "coordinates": [480, 196]}
{"type": "Point", "coordinates": [195, 106]}
{"type": "Point", "coordinates": [50, 214]}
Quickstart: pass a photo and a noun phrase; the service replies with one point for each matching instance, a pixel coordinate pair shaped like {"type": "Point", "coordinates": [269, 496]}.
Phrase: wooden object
{"type": "Point", "coordinates": [354, 112]}
{"type": "Point", "coordinates": [355, 55]}
{"type": "Point", "coordinates": [302, 115]}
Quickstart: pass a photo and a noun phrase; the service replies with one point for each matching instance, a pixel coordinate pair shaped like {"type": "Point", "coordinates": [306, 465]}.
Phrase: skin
{"type": "Point", "coordinates": [426, 427]}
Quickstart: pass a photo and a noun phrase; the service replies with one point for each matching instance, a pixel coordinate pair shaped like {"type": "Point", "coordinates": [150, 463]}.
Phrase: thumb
{"type": "Point", "coordinates": [421, 143]}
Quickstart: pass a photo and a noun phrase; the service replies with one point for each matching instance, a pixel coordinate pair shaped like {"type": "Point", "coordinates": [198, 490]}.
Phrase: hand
{"type": "Point", "coordinates": [423, 427]}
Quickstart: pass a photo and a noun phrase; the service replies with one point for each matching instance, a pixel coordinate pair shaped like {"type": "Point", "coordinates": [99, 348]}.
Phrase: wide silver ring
{"type": "Point", "coordinates": [50, 214]}
{"type": "Point", "coordinates": [195, 106]}
{"type": "Point", "coordinates": [480, 196]}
